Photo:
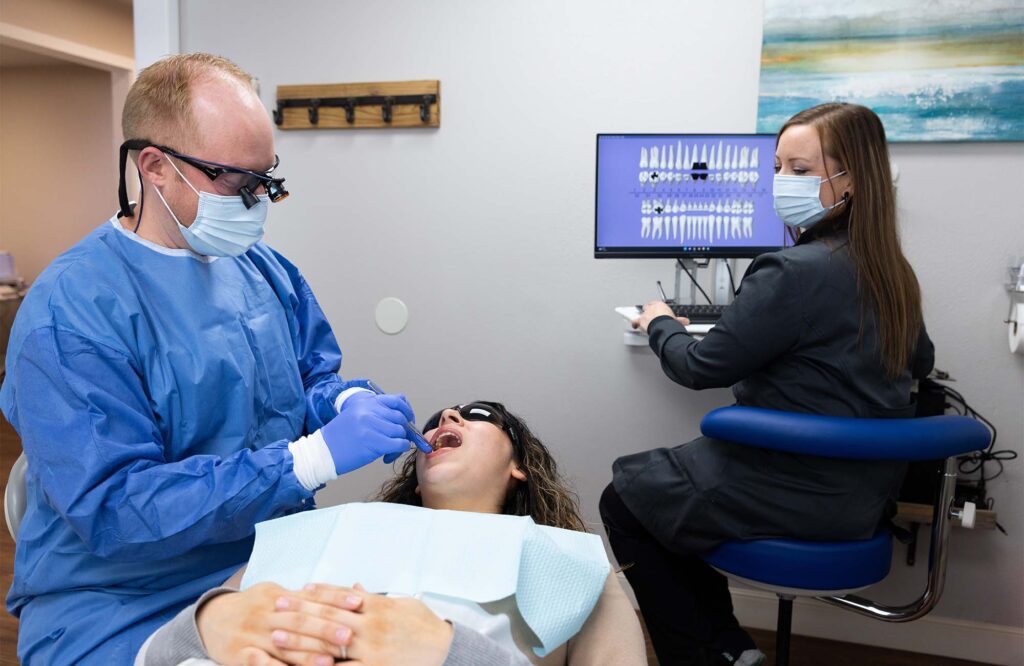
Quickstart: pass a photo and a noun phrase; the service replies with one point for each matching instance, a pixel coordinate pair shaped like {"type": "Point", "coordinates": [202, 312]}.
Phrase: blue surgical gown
{"type": "Point", "coordinates": [155, 392]}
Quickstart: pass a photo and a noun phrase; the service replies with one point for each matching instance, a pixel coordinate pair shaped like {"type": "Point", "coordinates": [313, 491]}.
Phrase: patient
{"type": "Point", "coordinates": [485, 460]}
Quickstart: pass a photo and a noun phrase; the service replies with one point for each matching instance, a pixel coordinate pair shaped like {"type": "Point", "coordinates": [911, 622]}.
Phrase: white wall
{"type": "Point", "coordinates": [485, 226]}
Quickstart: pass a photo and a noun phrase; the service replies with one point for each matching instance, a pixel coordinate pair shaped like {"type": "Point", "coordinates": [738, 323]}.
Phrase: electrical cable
{"type": "Point", "coordinates": [974, 463]}
{"type": "Point", "coordinates": [732, 283]}
{"type": "Point", "coordinates": [693, 280]}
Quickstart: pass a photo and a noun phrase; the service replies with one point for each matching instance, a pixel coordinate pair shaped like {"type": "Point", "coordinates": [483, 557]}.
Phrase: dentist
{"type": "Point", "coordinates": [173, 380]}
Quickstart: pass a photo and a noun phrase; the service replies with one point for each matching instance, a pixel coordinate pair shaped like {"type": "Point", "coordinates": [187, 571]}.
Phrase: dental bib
{"type": "Point", "coordinates": [554, 575]}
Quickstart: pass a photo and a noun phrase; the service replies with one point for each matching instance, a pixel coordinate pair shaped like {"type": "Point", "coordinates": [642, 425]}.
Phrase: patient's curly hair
{"type": "Point", "coordinates": [545, 496]}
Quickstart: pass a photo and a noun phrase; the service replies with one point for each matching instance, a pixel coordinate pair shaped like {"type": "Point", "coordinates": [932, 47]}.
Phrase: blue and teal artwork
{"type": "Point", "coordinates": [933, 70]}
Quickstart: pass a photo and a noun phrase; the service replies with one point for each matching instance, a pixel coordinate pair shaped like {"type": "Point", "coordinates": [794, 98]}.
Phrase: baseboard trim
{"type": "Point", "coordinates": [960, 639]}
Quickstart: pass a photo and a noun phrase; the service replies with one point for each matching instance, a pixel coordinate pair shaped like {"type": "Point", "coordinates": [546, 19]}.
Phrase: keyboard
{"type": "Point", "coordinates": [698, 314]}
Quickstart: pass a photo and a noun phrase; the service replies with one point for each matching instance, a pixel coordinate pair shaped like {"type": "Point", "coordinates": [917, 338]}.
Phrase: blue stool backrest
{"type": "Point", "coordinates": [927, 438]}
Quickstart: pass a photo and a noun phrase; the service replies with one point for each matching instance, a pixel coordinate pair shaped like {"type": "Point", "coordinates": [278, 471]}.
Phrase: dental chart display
{"type": "Point", "coordinates": [686, 195]}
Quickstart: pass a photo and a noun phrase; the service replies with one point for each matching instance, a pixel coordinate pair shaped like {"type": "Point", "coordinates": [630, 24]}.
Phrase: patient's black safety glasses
{"type": "Point", "coordinates": [476, 411]}
{"type": "Point", "coordinates": [231, 178]}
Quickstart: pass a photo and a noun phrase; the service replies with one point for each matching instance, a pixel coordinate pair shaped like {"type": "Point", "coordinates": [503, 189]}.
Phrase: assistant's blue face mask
{"type": "Point", "coordinates": [223, 227]}
{"type": "Point", "coordinates": [798, 200]}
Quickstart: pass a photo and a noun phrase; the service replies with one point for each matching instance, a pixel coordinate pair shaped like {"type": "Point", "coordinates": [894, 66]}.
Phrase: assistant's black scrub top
{"type": "Point", "coordinates": [796, 338]}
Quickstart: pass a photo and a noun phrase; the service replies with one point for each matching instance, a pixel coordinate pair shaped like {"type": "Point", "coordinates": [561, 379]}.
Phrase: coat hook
{"type": "Point", "coordinates": [314, 111]}
{"type": "Point", "coordinates": [350, 110]}
{"type": "Point", "coordinates": [386, 107]}
{"type": "Point", "coordinates": [278, 115]}
{"type": "Point", "coordinates": [425, 108]}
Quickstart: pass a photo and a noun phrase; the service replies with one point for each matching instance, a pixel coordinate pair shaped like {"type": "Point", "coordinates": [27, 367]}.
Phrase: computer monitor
{"type": "Point", "coordinates": [686, 196]}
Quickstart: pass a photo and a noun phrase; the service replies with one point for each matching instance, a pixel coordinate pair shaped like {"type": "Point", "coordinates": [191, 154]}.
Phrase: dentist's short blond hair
{"type": "Point", "coordinates": [158, 107]}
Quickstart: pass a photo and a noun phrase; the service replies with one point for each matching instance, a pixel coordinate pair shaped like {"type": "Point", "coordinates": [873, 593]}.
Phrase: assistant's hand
{"type": "Point", "coordinates": [368, 427]}
{"type": "Point", "coordinates": [265, 626]}
{"type": "Point", "coordinates": [387, 631]}
{"type": "Point", "coordinates": [652, 311]}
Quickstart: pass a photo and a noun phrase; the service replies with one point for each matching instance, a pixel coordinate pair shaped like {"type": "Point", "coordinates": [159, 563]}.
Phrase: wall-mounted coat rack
{"type": "Point", "coordinates": [359, 105]}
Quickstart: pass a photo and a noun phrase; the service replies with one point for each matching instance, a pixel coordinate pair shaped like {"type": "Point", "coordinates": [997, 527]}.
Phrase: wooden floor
{"type": "Point", "coordinates": [10, 449]}
{"type": "Point", "coordinates": [804, 651]}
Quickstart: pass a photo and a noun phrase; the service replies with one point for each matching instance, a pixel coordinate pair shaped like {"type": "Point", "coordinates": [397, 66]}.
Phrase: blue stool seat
{"type": "Point", "coordinates": [817, 566]}
{"type": "Point", "coordinates": [831, 569]}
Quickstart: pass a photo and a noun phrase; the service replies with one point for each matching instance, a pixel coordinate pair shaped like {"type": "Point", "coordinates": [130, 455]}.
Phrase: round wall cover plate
{"type": "Point", "coordinates": [391, 315]}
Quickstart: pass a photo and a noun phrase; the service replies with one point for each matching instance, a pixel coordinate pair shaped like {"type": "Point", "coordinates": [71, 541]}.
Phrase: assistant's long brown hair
{"type": "Point", "coordinates": [853, 136]}
{"type": "Point", "coordinates": [544, 496]}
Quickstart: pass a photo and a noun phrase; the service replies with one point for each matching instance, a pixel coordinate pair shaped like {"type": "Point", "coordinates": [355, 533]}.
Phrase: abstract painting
{"type": "Point", "coordinates": [933, 70]}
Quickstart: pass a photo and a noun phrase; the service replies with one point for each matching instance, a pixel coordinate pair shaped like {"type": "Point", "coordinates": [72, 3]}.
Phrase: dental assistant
{"type": "Point", "coordinates": [173, 381]}
{"type": "Point", "coordinates": [830, 326]}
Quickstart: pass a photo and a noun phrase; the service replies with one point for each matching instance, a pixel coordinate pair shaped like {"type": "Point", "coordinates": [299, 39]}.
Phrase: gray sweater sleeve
{"type": "Point", "coordinates": [470, 648]}
{"type": "Point", "coordinates": [178, 640]}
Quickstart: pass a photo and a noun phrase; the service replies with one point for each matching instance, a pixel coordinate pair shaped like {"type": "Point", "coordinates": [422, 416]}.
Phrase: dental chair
{"type": "Point", "coordinates": [832, 570]}
{"type": "Point", "coordinates": [14, 496]}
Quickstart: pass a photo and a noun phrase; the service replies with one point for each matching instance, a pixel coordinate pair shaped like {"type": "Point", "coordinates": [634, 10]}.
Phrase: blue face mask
{"type": "Point", "coordinates": [223, 227]}
{"type": "Point", "coordinates": [797, 200]}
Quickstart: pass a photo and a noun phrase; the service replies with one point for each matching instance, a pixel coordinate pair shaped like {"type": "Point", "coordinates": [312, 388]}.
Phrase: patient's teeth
{"type": "Point", "coordinates": [671, 157]}
{"type": "Point", "coordinates": [675, 226]}
{"type": "Point", "coordinates": [744, 154]}
{"type": "Point", "coordinates": [645, 227]}
{"type": "Point", "coordinates": [644, 177]}
{"type": "Point", "coordinates": [753, 157]}
{"type": "Point", "coordinates": [679, 155]}
{"type": "Point", "coordinates": [643, 157]}
{"type": "Point", "coordinates": [657, 226]}
{"type": "Point", "coordinates": [748, 226]}
{"type": "Point", "coordinates": [734, 229]}
{"type": "Point", "coordinates": [735, 158]}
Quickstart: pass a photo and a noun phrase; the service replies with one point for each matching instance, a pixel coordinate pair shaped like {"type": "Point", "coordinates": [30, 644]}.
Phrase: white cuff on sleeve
{"type": "Point", "coordinates": [312, 461]}
{"type": "Point", "coordinates": [346, 394]}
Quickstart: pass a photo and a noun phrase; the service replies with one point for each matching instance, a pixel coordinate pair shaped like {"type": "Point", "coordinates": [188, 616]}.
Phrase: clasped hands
{"type": "Point", "coordinates": [267, 625]}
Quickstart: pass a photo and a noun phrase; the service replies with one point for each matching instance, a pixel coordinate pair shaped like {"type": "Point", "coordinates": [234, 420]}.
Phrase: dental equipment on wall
{"type": "Point", "coordinates": [375, 105]}
{"type": "Point", "coordinates": [1015, 319]}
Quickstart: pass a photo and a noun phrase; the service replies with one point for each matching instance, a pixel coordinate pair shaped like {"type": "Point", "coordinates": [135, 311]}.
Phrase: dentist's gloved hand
{"type": "Point", "coordinates": [369, 426]}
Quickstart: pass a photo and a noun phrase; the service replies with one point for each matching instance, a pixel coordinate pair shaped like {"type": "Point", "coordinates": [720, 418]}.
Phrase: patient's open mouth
{"type": "Point", "coordinates": [446, 439]}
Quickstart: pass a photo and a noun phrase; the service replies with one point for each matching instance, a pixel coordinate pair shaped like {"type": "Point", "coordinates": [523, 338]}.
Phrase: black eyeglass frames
{"type": "Point", "coordinates": [475, 411]}
{"type": "Point", "coordinates": [235, 179]}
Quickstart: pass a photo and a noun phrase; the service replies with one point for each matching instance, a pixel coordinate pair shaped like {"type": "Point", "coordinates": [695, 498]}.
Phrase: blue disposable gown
{"type": "Point", "coordinates": [155, 392]}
